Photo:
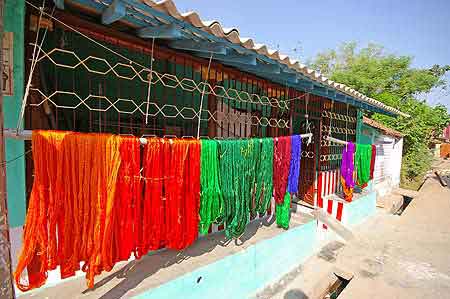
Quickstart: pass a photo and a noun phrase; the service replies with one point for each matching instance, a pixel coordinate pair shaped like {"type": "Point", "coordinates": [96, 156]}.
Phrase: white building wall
{"type": "Point", "coordinates": [388, 164]}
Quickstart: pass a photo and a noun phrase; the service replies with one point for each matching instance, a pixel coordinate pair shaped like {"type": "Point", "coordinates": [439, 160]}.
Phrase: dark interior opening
{"type": "Point", "coordinates": [336, 288]}
{"type": "Point", "coordinates": [406, 201]}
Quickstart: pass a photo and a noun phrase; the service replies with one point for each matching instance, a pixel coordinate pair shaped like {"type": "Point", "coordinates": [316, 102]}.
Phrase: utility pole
{"type": "Point", "coordinates": [6, 281]}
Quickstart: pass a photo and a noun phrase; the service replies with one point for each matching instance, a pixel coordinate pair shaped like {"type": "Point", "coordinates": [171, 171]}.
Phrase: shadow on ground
{"type": "Point", "coordinates": [295, 294]}
{"type": "Point", "coordinates": [134, 272]}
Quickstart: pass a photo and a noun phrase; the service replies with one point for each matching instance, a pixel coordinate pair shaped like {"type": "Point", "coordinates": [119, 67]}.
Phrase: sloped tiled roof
{"type": "Point", "coordinates": [232, 35]}
{"type": "Point", "coordinates": [381, 127]}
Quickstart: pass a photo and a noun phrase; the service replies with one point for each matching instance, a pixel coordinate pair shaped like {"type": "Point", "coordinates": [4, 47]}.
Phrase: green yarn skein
{"type": "Point", "coordinates": [211, 199]}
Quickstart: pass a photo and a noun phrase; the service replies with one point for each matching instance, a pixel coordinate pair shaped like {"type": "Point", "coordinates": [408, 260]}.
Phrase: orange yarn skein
{"type": "Point", "coordinates": [42, 211]}
{"type": "Point", "coordinates": [108, 167]}
{"type": "Point", "coordinates": [128, 200]}
{"type": "Point", "coordinates": [70, 216]}
{"type": "Point", "coordinates": [87, 203]}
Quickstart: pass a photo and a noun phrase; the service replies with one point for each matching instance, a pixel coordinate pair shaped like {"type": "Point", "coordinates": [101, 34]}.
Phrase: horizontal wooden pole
{"type": "Point", "coordinates": [26, 135]}
{"type": "Point", "coordinates": [335, 140]}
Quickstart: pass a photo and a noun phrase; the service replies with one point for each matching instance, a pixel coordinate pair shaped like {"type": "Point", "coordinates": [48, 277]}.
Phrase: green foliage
{"type": "Point", "coordinates": [392, 80]}
{"type": "Point", "coordinates": [438, 70]}
{"type": "Point", "coordinates": [415, 163]}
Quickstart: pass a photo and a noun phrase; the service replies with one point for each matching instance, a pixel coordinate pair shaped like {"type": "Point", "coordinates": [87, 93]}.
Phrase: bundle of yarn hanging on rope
{"type": "Point", "coordinates": [347, 168]}
{"type": "Point", "coordinates": [211, 199]}
{"type": "Point", "coordinates": [86, 205]}
{"type": "Point", "coordinates": [264, 177]}
{"type": "Point", "coordinates": [283, 213]}
{"type": "Point", "coordinates": [363, 158]}
{"type": "Point", "coordinates": [98, 199]}
{"type": "Point", "coordinates": [238, 174]}
{"type": "Point", "coordinates": [281, 164]}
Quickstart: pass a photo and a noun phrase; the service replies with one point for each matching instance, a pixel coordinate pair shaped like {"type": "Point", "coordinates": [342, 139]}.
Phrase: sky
{"type": "Point", "coordinates": [417, 28]}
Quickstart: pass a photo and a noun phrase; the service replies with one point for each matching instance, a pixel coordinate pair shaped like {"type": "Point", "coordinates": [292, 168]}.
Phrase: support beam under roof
{"type": "Point", "coordinates": [261, 69]}
{"type": "Point", "coordinates": [287, 77]}
{"type": "Point", "coordinates": [162, 32]}
{"type": "Point", "coordinates": [339, 96]}
{"type": "Point", "coordinates": [302, 83]}
{"type": "Point", "coordinates": [331, 93]}
{"type": "Point", "coordinates": [114, 12]}
{"type": "Point", "coordinates": [195, 46]}
{"type": "Point", "coordinates": [232, 57]}
{"type": "Point", "coordinates": [306, 86]}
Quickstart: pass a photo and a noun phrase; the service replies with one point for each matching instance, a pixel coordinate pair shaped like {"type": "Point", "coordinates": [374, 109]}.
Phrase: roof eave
{"type": "Point", "coordinates": [165, 12]}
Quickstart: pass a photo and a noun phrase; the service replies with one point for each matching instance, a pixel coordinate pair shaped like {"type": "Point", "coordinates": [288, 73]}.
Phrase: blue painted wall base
{"type": "Point", "coordinates": [243, 274]}
{"type": "Point", "coordinates": [359, 210]}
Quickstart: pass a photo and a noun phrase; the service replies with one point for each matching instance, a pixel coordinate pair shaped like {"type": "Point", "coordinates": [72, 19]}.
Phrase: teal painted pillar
{"type": "Point", "coordinates": [359, 123]}
{"type": "Point", "coordinates": [14, 21]}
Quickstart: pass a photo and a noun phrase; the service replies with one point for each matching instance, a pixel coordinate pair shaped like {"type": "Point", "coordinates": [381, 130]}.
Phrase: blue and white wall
{"type": "Point", "coordinates": [247, 272]}
{"type": "Point", "coordinates": [388, 161]}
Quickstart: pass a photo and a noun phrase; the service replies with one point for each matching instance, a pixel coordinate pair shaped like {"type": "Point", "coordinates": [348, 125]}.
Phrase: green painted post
{"type": "Point", "coordinates": [14, 21]}
{"type": "Point", "coordinates": [6, 281]}
{"type": "Point", "coordinates": [359, 123]}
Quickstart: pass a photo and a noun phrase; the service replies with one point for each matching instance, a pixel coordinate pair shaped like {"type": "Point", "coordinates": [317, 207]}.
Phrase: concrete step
{"type": "Point", "coordinates": [334, 224]}
{"type": "Point", "coordinates": [391, 203]}
{"type": "Point", "coordinates": [405, 192]}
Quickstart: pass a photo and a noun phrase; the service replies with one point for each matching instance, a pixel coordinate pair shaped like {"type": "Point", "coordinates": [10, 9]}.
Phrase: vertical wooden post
{"type": "Point", "coordinates": [212, 106]}
{"type": "Point", "coordinates": [6, 282]}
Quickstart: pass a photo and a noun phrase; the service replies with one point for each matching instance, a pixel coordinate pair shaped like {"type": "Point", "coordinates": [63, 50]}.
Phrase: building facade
{"type": "Point", "coordinates": [143, 68]}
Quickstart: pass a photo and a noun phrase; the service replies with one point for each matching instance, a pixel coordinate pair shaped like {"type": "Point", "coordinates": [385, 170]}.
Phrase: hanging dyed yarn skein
{"type": "Point", "coordinates": [211, 200]}
{"type": "Point", "coordinates": [347, 167]}
{"type": "Point", "coordinates": [192, 192]}
{"type": "Point", "coordinates": [281, 165]}
{"type": "Point", "coordinates": [228, 184]}
{"type": "Point", "coordinates": [363, 157]}
{"type": "Point", "coordinates": [294, 169]}
{"type": "Point", "coordinates": [171, 194]}
{"type": "Point", "coordinates": [264, 176]}
{"type": "Point", "coordinates": [254, 202]}
{"type": "Point", "coordinates": [71, 214]}
{"type": "Point", "coordinates": [102, 256]}
{"type": "Point", "coordinates": [128, 200]}
{"type": "Point", "coordinates": [237, 179]}
{"type": "Point", "coordinates": [151, 235]}
{"type": "Point", "coordinates": [283, 209]}
{"type": "Point", "coordinates": [282, 161]}
{"type": "Point", "coordinates": [41, 211]}
{"type": "Point", "coordinates": [372, 160]}
{"type": "Point", "coordinates": [182, 158]}
{"type": "Point", "coordinates": [245, 177]}
{"type": "Point", "coordinates": [283, 215]}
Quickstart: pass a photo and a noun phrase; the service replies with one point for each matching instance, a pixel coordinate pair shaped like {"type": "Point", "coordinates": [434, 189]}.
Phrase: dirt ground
{"type": "Point", "coordinates": [392, 256]}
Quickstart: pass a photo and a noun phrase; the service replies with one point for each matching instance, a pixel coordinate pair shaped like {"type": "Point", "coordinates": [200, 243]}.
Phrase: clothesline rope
{"type": "Point", "coordinates": [336, 140]}
{"type": "Point", "coordinates": [149, 89]}
{"type": "Point", "coordinates": [26, 135]}
{"type": "Point", "coordinates": [202, 97]}
{"type": "Point", "coordinates": [34, 60]}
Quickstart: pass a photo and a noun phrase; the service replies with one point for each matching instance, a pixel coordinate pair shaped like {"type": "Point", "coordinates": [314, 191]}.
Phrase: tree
{"type": "Point", "coordinates": [391, 79]}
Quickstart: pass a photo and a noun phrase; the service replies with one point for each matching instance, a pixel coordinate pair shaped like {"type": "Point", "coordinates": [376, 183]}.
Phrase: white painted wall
{"type": "Point", "coordinates": [437, 150]}
{"type": "Point", "coordinates": [388, 164]}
